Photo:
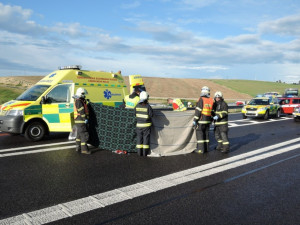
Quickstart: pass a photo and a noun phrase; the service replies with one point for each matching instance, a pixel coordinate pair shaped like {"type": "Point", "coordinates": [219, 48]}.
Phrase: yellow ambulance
{"type": "Point", "coordinates": [48, 105]}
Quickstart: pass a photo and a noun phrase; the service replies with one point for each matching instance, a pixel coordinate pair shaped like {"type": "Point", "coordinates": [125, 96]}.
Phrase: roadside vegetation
{"type": "Point", "coordinates": [254, 88]}
{"type": "Point", "coordinates": [7, 94]}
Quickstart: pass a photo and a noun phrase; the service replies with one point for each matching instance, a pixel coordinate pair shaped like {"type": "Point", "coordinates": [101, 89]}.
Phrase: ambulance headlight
{"type": "Point", "coordinates": [14, 113]}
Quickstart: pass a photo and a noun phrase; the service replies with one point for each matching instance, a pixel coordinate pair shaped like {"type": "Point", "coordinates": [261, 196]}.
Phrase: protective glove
{"type": "Point", "coordinates": [215, 117]}
{"type": "Point", "coordinates": [86, 121]}
{"type": "Point", "coordinates": [195, 125]}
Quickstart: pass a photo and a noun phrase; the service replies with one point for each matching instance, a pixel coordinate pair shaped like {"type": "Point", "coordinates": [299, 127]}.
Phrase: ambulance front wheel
{"type": "Point", "coordinates": [35, 131]}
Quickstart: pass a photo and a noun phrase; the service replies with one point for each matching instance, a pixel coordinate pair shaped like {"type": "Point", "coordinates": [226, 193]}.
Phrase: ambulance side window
{"type": "Point", "coordinates": [60, 94]}
{"type": "Point", "coordinates": [296, 101]}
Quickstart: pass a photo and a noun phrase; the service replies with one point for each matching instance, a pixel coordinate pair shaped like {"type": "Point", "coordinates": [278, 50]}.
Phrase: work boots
{"type": "Point", "coordinates": [78, 148]}
{"type": "Point", "coordinates": [219, 147]}
{"type": "Point", "coordinates": [85, 150]}
{"type": "Point", "coordinates": [225, 149]}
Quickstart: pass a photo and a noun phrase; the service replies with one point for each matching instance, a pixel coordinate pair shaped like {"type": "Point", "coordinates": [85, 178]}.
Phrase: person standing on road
{"type": "Point", "coordinates": [220, 113]}
{"type": "Point", "coordinates": [177, 104]}
{"type": "Point", "coordinates": [202, 120]}
{"type": "Point", "coordinates": [143, 113]}
{"type": "Point", "coordinates": [81, 116]}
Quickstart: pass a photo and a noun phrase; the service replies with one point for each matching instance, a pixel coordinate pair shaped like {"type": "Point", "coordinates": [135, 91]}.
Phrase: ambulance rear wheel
{"type": "Point", "coordinates": [35, 131]}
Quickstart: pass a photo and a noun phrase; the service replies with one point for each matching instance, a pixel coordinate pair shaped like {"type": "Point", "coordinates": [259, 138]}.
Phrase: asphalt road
{"type": "Point", "coordinates": [256, 183]}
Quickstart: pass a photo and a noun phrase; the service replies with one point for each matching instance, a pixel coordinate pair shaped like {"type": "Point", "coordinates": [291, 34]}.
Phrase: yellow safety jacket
{"type": "Point", "coordinates": [181, 106]}
{"type": "Point", "coordinates": [131, 102]}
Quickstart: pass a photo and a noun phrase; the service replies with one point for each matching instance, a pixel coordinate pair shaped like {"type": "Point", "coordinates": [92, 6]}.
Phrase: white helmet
{"type": "Point", "coordinates": [143, 96]}
{"type": "Point", "coordinates": [205, 91]}
{"type": "Point", "coordinates": [81, 92]}
{"type": "Point", "coordinates": [218, 94]}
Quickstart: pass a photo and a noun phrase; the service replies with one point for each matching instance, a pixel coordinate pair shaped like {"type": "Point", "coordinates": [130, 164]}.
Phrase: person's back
{"type": "Point", "coordinates": [144, 113]}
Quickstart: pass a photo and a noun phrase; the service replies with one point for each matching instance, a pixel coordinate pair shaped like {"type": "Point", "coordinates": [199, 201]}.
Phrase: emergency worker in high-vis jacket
{"type": "Point", "coordinates": [177, 104]}
{"type": "Point", "coordinates": [133, 99]}
{"type": "Point", "coordinates": [81, 116]}
{"type": "Point", "coordinates": [220, 112]}
{"type": "Point", "coordinates": [202, 120]}
{"type": "Point", "coordinates": [143, 113]}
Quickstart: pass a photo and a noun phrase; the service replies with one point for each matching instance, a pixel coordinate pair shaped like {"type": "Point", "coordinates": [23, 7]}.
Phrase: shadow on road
{"type": "Point", "coordinates": [238, 142]}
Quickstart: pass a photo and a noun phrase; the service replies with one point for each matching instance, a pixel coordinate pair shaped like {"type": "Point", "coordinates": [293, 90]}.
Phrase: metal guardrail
{"type": "Point", "coordinates": [169, 108]}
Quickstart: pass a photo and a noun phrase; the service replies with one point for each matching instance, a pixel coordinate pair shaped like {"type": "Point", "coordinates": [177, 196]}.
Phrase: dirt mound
{"type": "Point", "coordinates": [186, 88]}
{"type": "Point", "coordinates": [156, 87]}
{"type": "Point", "coordinates": [22, 81]}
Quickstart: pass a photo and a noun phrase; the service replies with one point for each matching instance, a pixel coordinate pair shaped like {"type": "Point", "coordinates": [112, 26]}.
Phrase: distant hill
{"type": "Point", "coordinates": [171, 87]}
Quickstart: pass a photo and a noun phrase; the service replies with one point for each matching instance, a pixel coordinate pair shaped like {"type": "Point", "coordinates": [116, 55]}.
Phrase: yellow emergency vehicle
{"type": "Point", "coordinates": [262, 107]}
{"type": "Point", "coordinates": [48, 105]}
{"type": "Point", "coordinates": [136, 81]}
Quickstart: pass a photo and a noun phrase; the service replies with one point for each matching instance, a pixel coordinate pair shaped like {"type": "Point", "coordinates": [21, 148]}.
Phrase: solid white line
{"type": "Point", "coordinates": [35, 146]}
{"type": "Point", "coordinates": [90, 203]}
{"type": "Point", "coordinates": [36, 151]}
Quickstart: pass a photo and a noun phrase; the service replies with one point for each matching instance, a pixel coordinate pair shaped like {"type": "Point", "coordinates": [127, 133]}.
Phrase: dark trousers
{"type": "Point", "coordinates": [82, 137]}
{"type": "Point", "coordinates": [221, 135]}
{"type": "Point", "coordinates": [202, 138]}
{"type": "Point", "coordinates": [143, 140]}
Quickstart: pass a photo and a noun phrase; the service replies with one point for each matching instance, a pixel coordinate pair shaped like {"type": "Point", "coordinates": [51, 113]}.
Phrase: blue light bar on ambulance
{"type": "Point", "coordinates": [74, 67]}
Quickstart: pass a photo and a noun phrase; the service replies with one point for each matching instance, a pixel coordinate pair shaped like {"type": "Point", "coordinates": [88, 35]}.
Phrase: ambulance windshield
{"type": "Point", "coordinates": [259, 101]}
{"type": "Point", "coordinates": [33, 93]}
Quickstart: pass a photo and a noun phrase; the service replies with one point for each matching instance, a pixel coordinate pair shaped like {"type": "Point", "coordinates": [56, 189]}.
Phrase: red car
{"type": "Point", "coordinates": [288, 104]}
{"type": "Point", "coordinates": [238, 103]}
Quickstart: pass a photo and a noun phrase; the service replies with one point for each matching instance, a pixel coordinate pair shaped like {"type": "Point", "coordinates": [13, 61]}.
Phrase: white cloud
{"type": "Point", "coordinates": [210, 69]}
{"type": "Point", "coordinates": [287, 26]}
{"type": "Point", "coordinates": [158, 47]}
{"type": "Point", "coordinates": [20, 17]}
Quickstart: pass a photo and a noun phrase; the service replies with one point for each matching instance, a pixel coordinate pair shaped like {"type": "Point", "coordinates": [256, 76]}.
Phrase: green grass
{"type": "Point", "coordinates": [253, 88]}
{"type": "Point", "coordinates": [7, 94]}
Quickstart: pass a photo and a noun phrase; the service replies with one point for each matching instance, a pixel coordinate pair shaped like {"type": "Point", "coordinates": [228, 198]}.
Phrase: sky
{"type": "Point", "coordinates": [205, 39]}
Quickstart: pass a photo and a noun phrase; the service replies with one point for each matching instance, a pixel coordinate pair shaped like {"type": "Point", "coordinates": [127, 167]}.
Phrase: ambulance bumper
{"type": "Point", "coordinates": [11, 124]}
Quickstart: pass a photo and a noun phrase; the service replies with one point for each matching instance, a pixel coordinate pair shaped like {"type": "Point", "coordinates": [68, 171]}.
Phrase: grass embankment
{"type": "Point", "coordinates": [253, 88]}
{"type": "Point", "coordinates": [7, 94]}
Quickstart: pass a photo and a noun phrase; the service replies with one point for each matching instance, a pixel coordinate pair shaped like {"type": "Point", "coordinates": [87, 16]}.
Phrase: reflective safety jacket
{"type": "Point", "coordinates": [143, 113]}
{"type": "Point", "coordinates": [203, 110]}
{"type": "Point", "coordinates": [131, 101]}
{"type": "Point", "coordinates": [81, 111]}
{"type": "Point", "coordinates": [178, 105]}
{"type": "Point", "coordinates": [220, 109]}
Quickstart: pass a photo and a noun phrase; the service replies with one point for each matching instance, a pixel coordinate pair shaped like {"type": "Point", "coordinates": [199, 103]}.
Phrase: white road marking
{"type": "Point", "coordinates": [104, 199]}
{"type": "Point", "coordinates": [35, 146]}
{"type": "Point", "coordinates": [255, 122]}
{"type": "Point", "coordinates": [37, 151]}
